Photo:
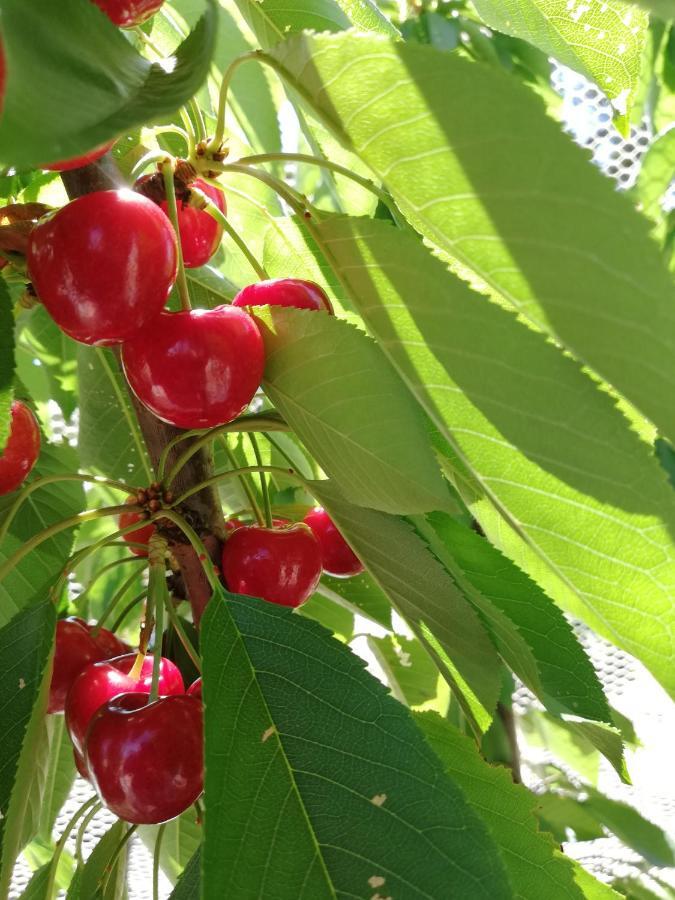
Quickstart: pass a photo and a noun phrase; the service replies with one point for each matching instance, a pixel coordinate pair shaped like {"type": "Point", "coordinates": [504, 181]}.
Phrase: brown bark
{"type": "Point", "coordinates": [202, 509]}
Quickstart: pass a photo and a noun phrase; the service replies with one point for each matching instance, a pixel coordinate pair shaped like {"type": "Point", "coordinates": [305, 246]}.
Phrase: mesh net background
{"type": "Point", "coordinates": [587, 115]}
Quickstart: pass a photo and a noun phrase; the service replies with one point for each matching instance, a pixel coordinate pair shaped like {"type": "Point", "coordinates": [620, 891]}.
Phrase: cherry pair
{"type": "Point", "coordinates": [284, 564]}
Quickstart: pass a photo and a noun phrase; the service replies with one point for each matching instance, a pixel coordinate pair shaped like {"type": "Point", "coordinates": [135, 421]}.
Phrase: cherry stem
{"type": "Point", "coordinates": [111, 565]}
{"type": "Point", "coordinates": [264, 487]}
{"type": "Point", "coordinates": [112, 862]}
{"type": "Point", "coordinates": [293, 198]}
{"type": "Point", "coordinates": [216, 213]}
{"type": "Point", "coordinates": [219, 133]}
{"type": "Point", "coordinates": [190, 130]}
{"type": "Point", "coordinates": [155, 861]}
{"type": "Point", "coordinates": [245, 483]}
{"type": "Point", "coordinates": [115, 599]}
{"type": "Point", "coordinates": [267, 422]}
{"type": "Point", "coordinates": [117, 624]}
{"type": "Point", "coordinates": [157, 592]}
{"type": "Point", "coordinates": [182, 634]}
{"type": "Point", "coordinates": [135, 671]}
{"type": "Point", "coordinates": [70, 522]}
{"type": "Point", "coordinates": [51, 479]}
{"type": "Point", "coordinates": [366, 183]}
{"type": "Point", "coordinates": [232, 473]}
{"type": "Point", "coordinates": [195, 540]}
{"type": "Point", "coordinates": [82, 830]}
{"type": "Point", "coordinates": [61, 843]}
{"type": "Point", "coordinates": [166, 168]}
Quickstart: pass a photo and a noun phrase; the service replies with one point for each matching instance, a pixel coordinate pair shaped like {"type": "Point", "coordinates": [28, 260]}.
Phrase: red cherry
{"type": "Point", "coordinates": [282, 565]}
{"type": "Point", "coordinates": [108, 643]}
{"type": "Point", "coordinates": [146, 759]}
{"type": "Point", "coordinates": [65, 165]}
{"type": "Point", "coordinates": [200, 234]}
{"type": "Point", "coordinates": [74, 649]}
{"type": "Point", "coordinates": [101, 681]}
{"type": "Point", "coordinates": [103, 265]}
{"type": "Point", "coordinates": [140, 535]}
{"type": "Point", "coordinates": [81, 765]}
{"type": "Point", "coordinates": [232, 525]}
{"type": "Point", "coordinates": [22, 448]}
{"type": "Point", "coordinates": [338, 557]}
{"type": "Point", "coordinates": [127, 13]}
{"type": "Point", "coordinates": [284, 292]}
{"type": "Point", "coordinates": [195, 689]}
{"type": "Point", "coordinates": [196, 368]}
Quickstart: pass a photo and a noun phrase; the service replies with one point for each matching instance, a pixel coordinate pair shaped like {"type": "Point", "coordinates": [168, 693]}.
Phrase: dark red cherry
{"type": "Point", "coordinates": [284, 292]}
{"type": "Point", "coordinates": [146, 759]}
{"type": "Point", "coordinates": [22, 448]}
{"type": "Point", "coordinates": [103, 265]}
{"type": "Point", "coordinates": [81, 765]}
{"type": "Point", "coordinates": [140, 535]}
{"type": "Point", "coordinates": [282, 565]}
{"type": "Point", "coordinates": [338, 557]}
{"type": "Point", "coordinates": [200, 234]}
{"type": "Point", "coordinates": [101, 681]}
{"type": "Point", "coordinates": [65, 165]}
{"type": "Point", "coordinates": [195, 689]}
{"type": "Point", "coordinates": [197, 368]}
{"type": "Point", "coordinates": [127, 13]}
{"type": "Point", "coordinates": [107, 642]}
{"type": "Point", "coordinates": [74, 650]}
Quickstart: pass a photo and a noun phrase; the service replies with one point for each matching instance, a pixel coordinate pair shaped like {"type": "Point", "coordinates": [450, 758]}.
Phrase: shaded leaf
{"type": "Point", "coordinates": [340, 788]}
{"type": "Point", "coordinates": [6, 360]}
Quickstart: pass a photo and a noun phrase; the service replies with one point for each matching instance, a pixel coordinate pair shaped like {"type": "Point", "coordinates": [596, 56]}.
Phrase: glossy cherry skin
{"type": "Point", "coordinates": [197, 368]}
{"type": "Point", "coordinates": [65, 165]}
{"type": "Point", "coordinates": [338, 557]}
{"type": "Point", "coordinates": [140, 535]}
{"type": "Point", "coordinates": [103, 265]}
{"type": "Point", "coordinates": [195, 689]}
{"type": "Point", "coordinates": [101, 681]}
{"type": "Point", "coordinates": [22, 448]}
{"type": "Point", "coordinates": [146, 759]}
{"type": "Point", "coordinates": [74, 650]}
{"type": "Point", "coordinates": [200, 234]}
{"type": "Point", "coordinates": [284, 292]}
{"type": "Point", "coordinates": [107, 642]}
{"type": "Point", "coordinates": [127, 13]}
{"type": "Point", "coordinates": [282, 565]}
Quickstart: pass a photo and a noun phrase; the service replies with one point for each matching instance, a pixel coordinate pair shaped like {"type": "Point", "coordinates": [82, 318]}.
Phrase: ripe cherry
{"type": "Point", "coordinates": [80, 764]}
{"type": "Point", "coordinates": [101, 681]}
{"type": "Point", "coordinates": [282, 565]}
{"type": "Point", "coordinates": [65, 165]}
{"type": "Point", "coordinates": [338, 557]}
{"type": "Point", "coordinates": [103, 265]}
{"type": "Point", "coordinates": [200, 234]}
{"type": "Point", "coordinates": [140, 535]}
{"type": "Point", "coordinates": [74, 649]}
{"type": "Point", "coordinates": [195, 689]}
{"type": "Point", "coordinates": [196, 368]}
{"type": "Point", "coordinates": [284, 292]}
{"type": "Point", "coordinates": [127, 13]}
{"type": "Point", "coordinates": [22, 448]}
{"type": "Point", "coordinates": [146, 759]}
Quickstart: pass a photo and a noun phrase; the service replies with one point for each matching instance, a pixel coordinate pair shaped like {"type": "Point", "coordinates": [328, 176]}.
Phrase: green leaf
{"type": "Point", "coordinates": [110, 442]}
{"type": "Point", "coordinates": [425, 595]}
{"type": "Point", "coordinates": [484, 174]}
{"type": "Point", "coordinates": [604, 738]}
{"type": "Point", "coordinates": [560, 815]}
{"type": "Point", "coordinates": [587, 510]}
{"type": "Point", "coordinates": [36, 572]}
{"type": "Point", "coordinates": [665, 9]}
{"type": "Point", "coordinates": [188, 885]}
{"type": "Point", "coordinates": [60, 775]}
{"type": "Point", "coordinates": [633, 829]}
{"type": "Point", "coordinates": [656, 173]}
{"type": "Point", "coordinates": [565, 680]}
{"type": "Point", "coordinates": [410, 671]}
{"type": "Point", "coordinates": [591, 887]}
{"type": "Point", "coordinates": [317, 782]}
{"type": "Point", "coordinates": [93, 85]}
{"type": "Point", "coordinates": [6, 360]}
{"type": "Point", "coordinates": [88, 881]}
{"type": "Point", "coordinates": [55, 377]}
{"type": "Point", "coordinates": [535, 866]}
{"type": "Point", "coordinates": [360, 592]}
{"type": "Point", "coordinates": [601, 40]}
{"type": "Point", "coordinates": [344, 400]}
{"type": "Point", "coordinates": [25, 648]}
